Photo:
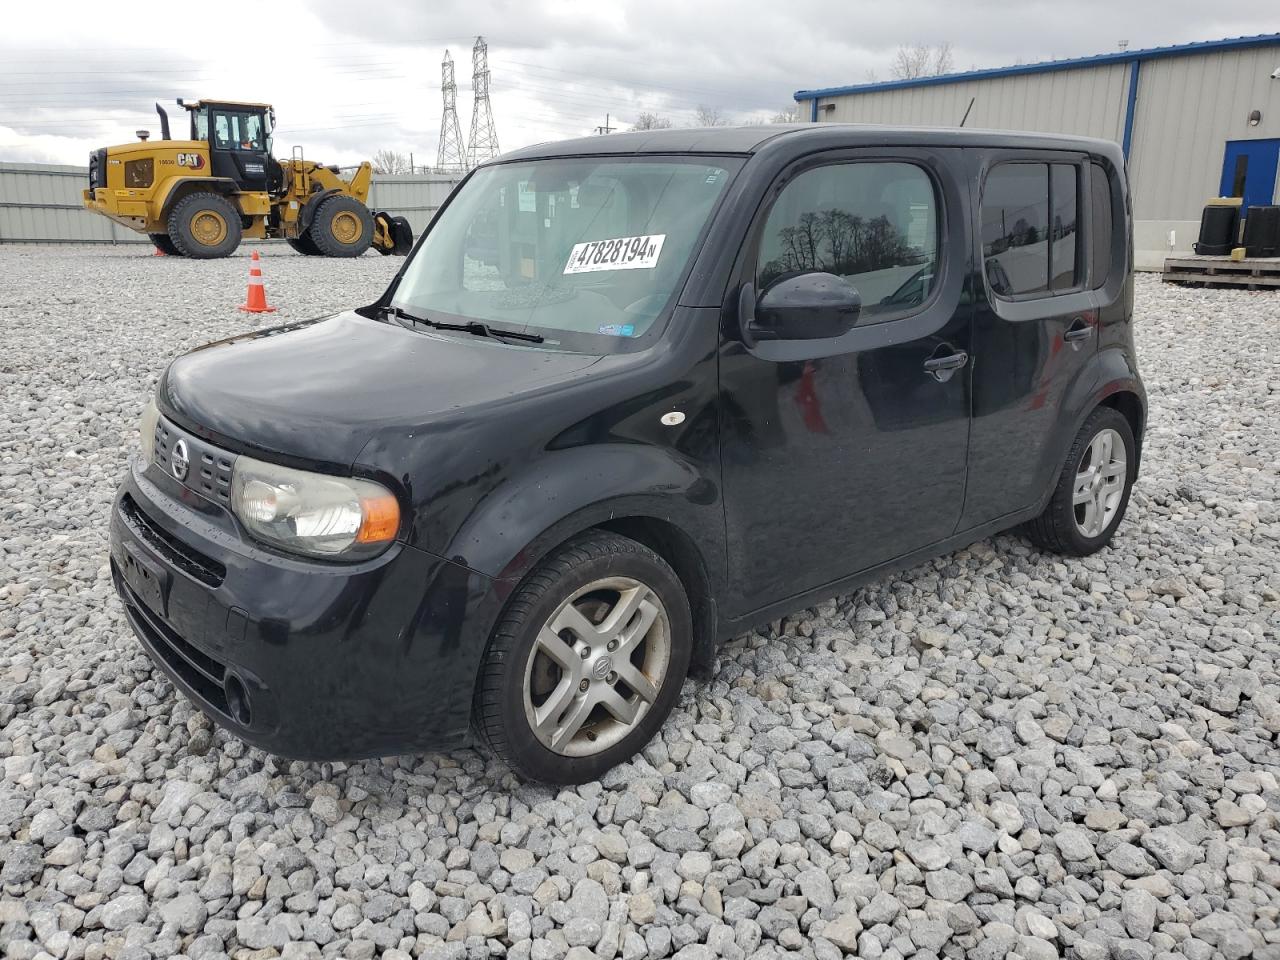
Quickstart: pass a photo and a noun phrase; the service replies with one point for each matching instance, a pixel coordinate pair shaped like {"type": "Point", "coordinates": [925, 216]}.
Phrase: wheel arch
{"type": "Point", "coordinates": [1110, 379]}
{"type": "Point", "coordinates": [182, 187]}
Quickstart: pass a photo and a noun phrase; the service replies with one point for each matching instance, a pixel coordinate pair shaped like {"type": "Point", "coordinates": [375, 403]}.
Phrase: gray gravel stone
{"type": "Point", "coordinates": [998, 750]}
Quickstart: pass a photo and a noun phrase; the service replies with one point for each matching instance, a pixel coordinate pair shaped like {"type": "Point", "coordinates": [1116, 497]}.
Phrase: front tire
{"type": "Point", "coordinates": [205, 226]}
{"type": "Point", "coordinates": [1093, 489]}
{"type": "Point", "coordinates": [587, 661]}
{"type": "Point", "coordinates": [342, 227]}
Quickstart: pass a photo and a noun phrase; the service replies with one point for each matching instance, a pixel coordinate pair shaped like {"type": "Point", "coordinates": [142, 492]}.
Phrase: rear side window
{"type": "Point", "coordinates": [875, 224]}
{"type": "Point", "coordinates": [1030, 229]}
{"type": "Point", "coordinates": [1103, 223]}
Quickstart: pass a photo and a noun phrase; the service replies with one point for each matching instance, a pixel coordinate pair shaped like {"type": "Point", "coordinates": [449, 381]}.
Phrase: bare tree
{"type": "Point", "coordinates": [790, 115]}
{"type": "Point", "coordinates": [390, 162]}
{"type": "Point", "coordinates": [651, 121]}
{"type": "Point", "coordinates": [706, 116]}
{"type": "Point", "coordinates": [921, 60]}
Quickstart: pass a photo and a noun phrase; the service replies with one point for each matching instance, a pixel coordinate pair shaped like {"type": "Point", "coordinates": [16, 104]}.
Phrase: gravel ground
{"type": "Point", "coordinates": [998, 752]}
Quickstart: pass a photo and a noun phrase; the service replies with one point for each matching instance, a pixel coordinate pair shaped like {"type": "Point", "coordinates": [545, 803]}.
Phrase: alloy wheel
{"type": "Point", "coordinates": [596, 666]}
{"type": "Point", "coordinates": [1100, 482]}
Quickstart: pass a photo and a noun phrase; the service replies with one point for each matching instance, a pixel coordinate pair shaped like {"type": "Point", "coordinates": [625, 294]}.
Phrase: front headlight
{"type": "Point", "coordinates": [341, 518]}
{"type": "Point", "coordinates": [147, 431]}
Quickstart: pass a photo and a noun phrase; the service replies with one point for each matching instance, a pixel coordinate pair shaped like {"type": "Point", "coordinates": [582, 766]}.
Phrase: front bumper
{"type": "Point", "coordinates": [308, 660]}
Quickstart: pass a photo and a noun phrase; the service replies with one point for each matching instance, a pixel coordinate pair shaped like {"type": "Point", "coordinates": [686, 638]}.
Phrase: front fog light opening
{"type": "Point", "coordinates": [237, 700]}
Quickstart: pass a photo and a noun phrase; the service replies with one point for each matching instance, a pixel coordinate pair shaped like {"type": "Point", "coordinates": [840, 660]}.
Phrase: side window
{"type": "Point", "coordinates": [1031, 228]}
{"type": "Point", "coordinates": [222, 131]}
{"type": "Point", "coordinates": [1103, 224]}
{"type": "Point", "coordinates": [1064, 262]}
{"type": "Point", "coordinates": [873, 223]}
{"type": "Point", "coordinates": [1015, 216]}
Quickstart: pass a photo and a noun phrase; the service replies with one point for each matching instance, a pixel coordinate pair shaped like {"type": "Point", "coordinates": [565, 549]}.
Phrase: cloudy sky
{"type": "Point", "coordinates": [349, 78]}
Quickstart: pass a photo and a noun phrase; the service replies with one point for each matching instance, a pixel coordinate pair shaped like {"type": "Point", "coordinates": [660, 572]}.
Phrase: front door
{"type": "Point", "coordinates": [1249, 171]}
{"type": "Point", "coordinates": [841, 454]}
{"type": "Point", "coordinates": [238, 146]}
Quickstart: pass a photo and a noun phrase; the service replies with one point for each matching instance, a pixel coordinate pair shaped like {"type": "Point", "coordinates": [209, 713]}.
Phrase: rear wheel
{"type": "Point", "coordinates": [164, 244]}
{"type": "Point", "coordinates": [204, 226]}
{"type": "Point", "coordinates": [1093, 489]}
{"type": "Point", "coordinates": [587, 661]}
{"type": "Point", "coordinates": [304, 245]}
{"type": "Point", "coordinates": [342, 227]}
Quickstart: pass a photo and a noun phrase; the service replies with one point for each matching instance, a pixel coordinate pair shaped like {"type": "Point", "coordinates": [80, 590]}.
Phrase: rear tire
{"type": "Point", "coordinates": [342, 227]}
{"type": "Point", "coordinates": [164, 244]}
{"type": "Point", "coordinates": [561, 701]}
{"type": "Point", "coordinates": [205, 226]}
{"type": "Point", "coordinates": [304, 245]}
{"type": "Point", "coordinates": [1093, 489]}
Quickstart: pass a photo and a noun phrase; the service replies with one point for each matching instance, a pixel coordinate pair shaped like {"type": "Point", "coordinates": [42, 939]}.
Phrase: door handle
{"type": "Point", "coordinates": [1079, 330]}
{"type": "Point", "coordinates": [941, 368]}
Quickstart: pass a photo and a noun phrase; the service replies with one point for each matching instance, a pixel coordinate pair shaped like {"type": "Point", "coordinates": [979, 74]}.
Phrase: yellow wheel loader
{"type": "Point", "coordinates": [199, 197]}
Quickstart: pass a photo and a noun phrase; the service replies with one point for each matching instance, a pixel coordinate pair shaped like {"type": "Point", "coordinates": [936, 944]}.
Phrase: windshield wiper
{"type": "Point", "coordinates": [471, 326]}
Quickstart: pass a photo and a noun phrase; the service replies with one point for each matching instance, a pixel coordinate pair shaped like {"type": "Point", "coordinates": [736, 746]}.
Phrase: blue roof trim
{"type": "Point", "coordinates": [1048, 66]}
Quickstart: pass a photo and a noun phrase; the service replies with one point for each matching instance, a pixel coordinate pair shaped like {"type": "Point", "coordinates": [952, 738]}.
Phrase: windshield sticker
{"type": "Point", "coordinates": [622, 253]}
{"type": "Point", "coordinates": [617, 329]}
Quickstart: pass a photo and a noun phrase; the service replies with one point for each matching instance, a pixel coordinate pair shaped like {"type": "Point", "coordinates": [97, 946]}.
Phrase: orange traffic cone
{"type": "Point", "coordinates": [256, 300]}
{"type": "Point", "coordinates": [159, 253]}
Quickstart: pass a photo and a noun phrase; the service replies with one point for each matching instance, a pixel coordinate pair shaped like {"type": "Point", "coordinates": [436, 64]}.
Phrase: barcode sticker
{"type": "Point", "coordinates": [621, 253]}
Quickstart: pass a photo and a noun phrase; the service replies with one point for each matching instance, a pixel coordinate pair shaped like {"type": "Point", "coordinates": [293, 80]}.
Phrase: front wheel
{"type": "Point", "coordinates": [1093, 489]}
{"type": "Point", "coordinates": [586, 662]}
{"type": "Point", "coordinates": [342, 227]}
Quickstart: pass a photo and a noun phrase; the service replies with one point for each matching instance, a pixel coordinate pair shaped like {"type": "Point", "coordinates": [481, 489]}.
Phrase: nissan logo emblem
{"type": "Point", "coordinates": [180, 460]}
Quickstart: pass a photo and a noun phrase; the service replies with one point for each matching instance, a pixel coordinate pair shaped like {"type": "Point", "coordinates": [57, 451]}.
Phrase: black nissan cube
{"type": "Point", "coordinates": [631, 396]}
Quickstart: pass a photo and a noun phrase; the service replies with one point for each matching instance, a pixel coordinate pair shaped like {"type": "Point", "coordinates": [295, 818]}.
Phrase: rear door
{"type": "Point", "coordinates": [844, 453]}
{"type": "Point", "coordinates": [1035, 323]}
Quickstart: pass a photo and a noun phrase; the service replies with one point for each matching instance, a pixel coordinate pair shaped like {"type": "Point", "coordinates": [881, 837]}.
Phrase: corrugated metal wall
{"type": "Point", "coordinates": [1188, 107]}
{"type": "Point", "coordinates": [42, 203]}
{"type": "Point", "coordinates": [1088, 102]}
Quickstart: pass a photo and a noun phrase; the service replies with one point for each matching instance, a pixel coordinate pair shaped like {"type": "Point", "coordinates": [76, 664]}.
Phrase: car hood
{"type": "Point", "coordinates": [315, 393]}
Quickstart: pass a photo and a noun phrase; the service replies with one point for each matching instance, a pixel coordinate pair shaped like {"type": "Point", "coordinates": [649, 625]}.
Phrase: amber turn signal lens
{"type": "Point", "coordinates": [381, 519]}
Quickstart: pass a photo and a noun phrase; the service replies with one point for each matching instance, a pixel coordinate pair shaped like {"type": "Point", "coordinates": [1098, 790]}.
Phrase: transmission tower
{"type": "Point", "coordinates": [483, 143]}
{"type": "Point", "coordinates": [451, 157]}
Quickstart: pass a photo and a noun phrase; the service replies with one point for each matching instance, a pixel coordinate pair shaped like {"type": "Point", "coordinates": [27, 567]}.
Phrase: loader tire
{"type": "Point", "coordinates": [204, 226]}
{"type": "Point", "coordinates": [164, 244]}
{"type": "Point", "coordinates": [342, 227]}
{"type": "Point", "coordinates": [305, 246]}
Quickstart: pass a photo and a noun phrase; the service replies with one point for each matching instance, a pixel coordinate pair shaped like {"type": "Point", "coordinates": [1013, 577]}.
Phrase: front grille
{"type": "Point", "coordinates": [198, 670]}
{"type": "Point", "coordinates": [209, 470]}
{"type": "Point", "coordinates": [178, 554]}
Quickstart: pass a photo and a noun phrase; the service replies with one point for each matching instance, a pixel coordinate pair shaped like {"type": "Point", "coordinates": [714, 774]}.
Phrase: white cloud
{"type": "Point", "coordinates": [345, 83]}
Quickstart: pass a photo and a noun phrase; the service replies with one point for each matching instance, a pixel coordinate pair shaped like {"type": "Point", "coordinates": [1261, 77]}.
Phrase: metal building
{"type": "Point", "coordinates": [1195, 121]}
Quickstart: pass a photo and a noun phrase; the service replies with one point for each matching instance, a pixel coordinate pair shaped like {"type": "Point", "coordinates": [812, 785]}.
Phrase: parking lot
{"type": "Point", "coordinates": [996, 751]}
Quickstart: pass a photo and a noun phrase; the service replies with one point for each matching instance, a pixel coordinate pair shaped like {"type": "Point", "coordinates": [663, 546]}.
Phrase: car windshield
{"type": "Point", "coordinates": [587, 253]}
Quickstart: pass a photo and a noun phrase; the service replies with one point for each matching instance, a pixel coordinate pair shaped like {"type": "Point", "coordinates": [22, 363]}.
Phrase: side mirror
{"type": "Point", "coordinates": [809, 306]}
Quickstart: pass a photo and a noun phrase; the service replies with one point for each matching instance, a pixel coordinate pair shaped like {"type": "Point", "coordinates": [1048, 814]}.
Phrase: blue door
{"type": "Point", "coordinates": [1249, 171]}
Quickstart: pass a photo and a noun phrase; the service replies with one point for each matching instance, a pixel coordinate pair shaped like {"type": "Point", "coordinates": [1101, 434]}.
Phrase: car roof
{"type": "Point", "coordinates": [803, 136]}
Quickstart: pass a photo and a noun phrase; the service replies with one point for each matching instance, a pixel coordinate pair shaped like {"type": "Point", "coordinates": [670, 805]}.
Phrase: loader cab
{"type": "Point", "coordinates": [239, 138]}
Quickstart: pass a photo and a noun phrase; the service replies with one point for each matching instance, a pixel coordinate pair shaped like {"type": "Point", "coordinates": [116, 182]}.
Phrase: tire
{"type": "Point", "coordinates": [164, 244]}
{"type": "Point", "coordinates": [205, 226]}
{"type": "Point", "coordinates": [599, 575]}
{"type": "Point", "coordinates": [304, 245]}
{"type": "Point", "coordinates": [1079, 529]}
{"type": "Point", "coordinates": [342, 227]}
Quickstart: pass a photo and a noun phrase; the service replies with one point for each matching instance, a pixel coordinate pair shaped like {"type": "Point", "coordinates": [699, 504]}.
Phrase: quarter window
{"type": "Point", "coordinates": [1103, 225]}
{"type": "Point", "coordinates": [1030, 228]}
{"type": "Point", "coordinates": [875, 224]}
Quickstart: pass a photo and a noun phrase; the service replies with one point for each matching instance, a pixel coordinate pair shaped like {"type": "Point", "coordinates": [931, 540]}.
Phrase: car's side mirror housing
{"type": "Point", "coordinates": [808, 306]}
